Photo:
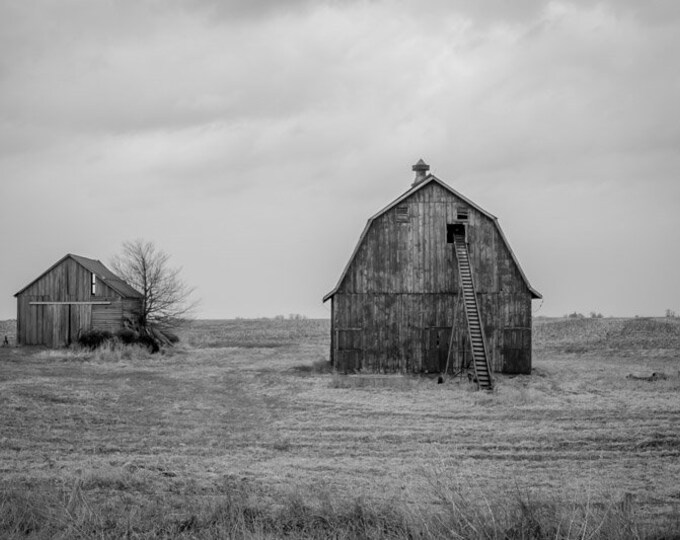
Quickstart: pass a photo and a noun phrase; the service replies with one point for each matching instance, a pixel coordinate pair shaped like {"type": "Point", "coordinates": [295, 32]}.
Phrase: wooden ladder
{"type": "Point", "coordinates": [480, 358]}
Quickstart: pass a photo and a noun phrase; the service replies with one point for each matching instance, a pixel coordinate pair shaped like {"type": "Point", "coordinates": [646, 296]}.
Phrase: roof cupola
{"type": "Point", "coordinates": [420, 169]}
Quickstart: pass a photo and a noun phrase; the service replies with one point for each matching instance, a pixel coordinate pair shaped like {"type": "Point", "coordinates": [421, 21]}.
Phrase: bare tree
{"type": "Point", "coordinates": [166, 296]}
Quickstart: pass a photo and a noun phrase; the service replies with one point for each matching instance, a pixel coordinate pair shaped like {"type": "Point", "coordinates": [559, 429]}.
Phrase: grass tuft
{"type": "Point", "coordinates": [21, 513]}
{"type": "Point", "coordinates": [240, 511]}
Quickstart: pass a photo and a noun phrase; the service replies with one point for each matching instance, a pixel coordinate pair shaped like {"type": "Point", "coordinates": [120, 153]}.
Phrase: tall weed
{"type": "Point", "coordinates": [239, 511]}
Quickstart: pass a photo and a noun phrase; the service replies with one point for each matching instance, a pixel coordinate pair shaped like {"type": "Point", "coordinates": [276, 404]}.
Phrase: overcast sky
{"type": "Point", "coordinates": [251, 139]}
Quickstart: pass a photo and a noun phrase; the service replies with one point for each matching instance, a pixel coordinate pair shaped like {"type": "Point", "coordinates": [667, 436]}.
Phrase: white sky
{"type": "Point", "coordinates": [251, 140]}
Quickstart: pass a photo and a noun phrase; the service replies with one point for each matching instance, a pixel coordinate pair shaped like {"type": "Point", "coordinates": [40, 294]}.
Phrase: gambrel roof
{"type": "Point", "coordinates": [98, 269]}
{"type": "Point", "coordinates": [427, 181]}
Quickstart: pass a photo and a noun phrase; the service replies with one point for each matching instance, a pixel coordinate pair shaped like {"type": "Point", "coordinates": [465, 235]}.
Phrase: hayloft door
{"type": "Point", "coordinates": [437, 343]}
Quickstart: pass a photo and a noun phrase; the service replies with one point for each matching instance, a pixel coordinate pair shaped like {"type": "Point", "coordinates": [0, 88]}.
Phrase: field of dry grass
{"type": "Point", "coordinates": [121, 441]}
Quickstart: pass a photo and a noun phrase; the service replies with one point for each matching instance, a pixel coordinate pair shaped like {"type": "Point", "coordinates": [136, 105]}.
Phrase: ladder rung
{"type": "Point", "coordinates": [477, 346]}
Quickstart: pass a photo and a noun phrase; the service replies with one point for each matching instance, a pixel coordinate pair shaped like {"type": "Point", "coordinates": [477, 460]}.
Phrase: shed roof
{"type": "Point", "coordinates": [97, 268]}
{"type": "Point", "coordinates": [428, 180]}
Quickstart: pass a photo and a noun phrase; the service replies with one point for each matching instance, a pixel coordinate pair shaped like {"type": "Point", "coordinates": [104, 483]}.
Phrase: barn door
{"type": "Point", "coordinates": [58, 316]}
{"type": "Point", "coordinates": [517, 350]}
{"type": "Point", "coordinates": [437, 348]}
{"type": "Point", "coordinates": [349, 351]}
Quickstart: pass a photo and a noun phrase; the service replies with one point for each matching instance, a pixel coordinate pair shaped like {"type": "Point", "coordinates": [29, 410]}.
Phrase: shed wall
{"type": "Point", "coordinates": [112, 316]}
{"type": "Point", "coordinates": [57, 325]}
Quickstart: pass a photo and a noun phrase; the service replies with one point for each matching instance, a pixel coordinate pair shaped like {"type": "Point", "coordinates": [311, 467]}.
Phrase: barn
{"type": "Point", "coordinates": [432, 287]}
{"type": "Point", "coordinates": [74, 295]}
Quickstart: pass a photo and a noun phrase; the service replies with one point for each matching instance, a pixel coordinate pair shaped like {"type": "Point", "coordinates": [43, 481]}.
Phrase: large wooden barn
{"type": "Point", "coordinates": [74, 295]}
{"type": "Point", "coordinates": [432, 286]}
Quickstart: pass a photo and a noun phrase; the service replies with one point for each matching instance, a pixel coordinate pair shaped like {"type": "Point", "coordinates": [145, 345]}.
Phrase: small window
{"type": "Point", "coordinates": [94, 284]}
{"type": "Point", "coordinates": [462, 214]}
{"type": "Point", "coordinates": [402, 213]}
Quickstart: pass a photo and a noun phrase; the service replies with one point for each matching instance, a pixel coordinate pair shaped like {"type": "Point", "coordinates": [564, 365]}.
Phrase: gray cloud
{"type": "Point", "coordinates": [246, 9]}
{"type": "Point", "coordinates": [211, 127]}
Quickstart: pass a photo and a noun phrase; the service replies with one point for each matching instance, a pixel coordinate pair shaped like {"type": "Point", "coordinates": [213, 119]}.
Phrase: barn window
{"type": "Point", "coordinates": [462, 214]}
{"type": "Point", "coordinates": [93, 290]}
{"type": "Point", "coordinates": [402, 213]}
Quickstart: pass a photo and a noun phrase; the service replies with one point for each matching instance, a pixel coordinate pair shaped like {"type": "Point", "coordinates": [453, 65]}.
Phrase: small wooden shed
{"type": "Point", "coordinates": [432, 285]}
{"type": "Point", "coordinates": [74, 295]}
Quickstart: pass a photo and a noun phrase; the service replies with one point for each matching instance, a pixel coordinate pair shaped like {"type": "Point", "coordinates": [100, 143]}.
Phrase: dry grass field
{"type": "Point", "coordinates": [242, 431]}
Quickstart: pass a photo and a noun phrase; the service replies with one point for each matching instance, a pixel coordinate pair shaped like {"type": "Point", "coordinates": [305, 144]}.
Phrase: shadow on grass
{"type": "Point", "coordinates": [318, 366]}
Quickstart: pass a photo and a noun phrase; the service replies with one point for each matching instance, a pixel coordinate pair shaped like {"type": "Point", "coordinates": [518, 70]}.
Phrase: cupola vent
{"type": "Point", "coordinates": [420, 169]}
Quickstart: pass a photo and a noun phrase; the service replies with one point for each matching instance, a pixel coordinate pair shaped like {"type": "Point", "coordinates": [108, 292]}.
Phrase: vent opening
{"type": "Point", "coordinates": [402, 213]}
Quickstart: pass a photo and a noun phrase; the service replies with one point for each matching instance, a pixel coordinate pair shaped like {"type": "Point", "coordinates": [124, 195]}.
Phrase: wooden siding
{"type": "Point", "coordinates": [400, 293]}
{"type": "Point", "coordinates": [54, 325]}
{"type": "Point", "coordinates": [113, 316]}
{"type": "Point", "coordinates": [40, 322]}
{"type": "Point", "coordinates": [68, 281]}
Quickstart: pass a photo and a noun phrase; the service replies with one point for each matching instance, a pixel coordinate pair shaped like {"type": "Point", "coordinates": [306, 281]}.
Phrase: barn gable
{"type": "Point", "coordinates": [116, 285]}
{"type": "Point", "coordinates": [431, 286]}
{"type": "Point", "coordinates": [430, 190]}
{"type": "Point", "coordinates": [74, 295]}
